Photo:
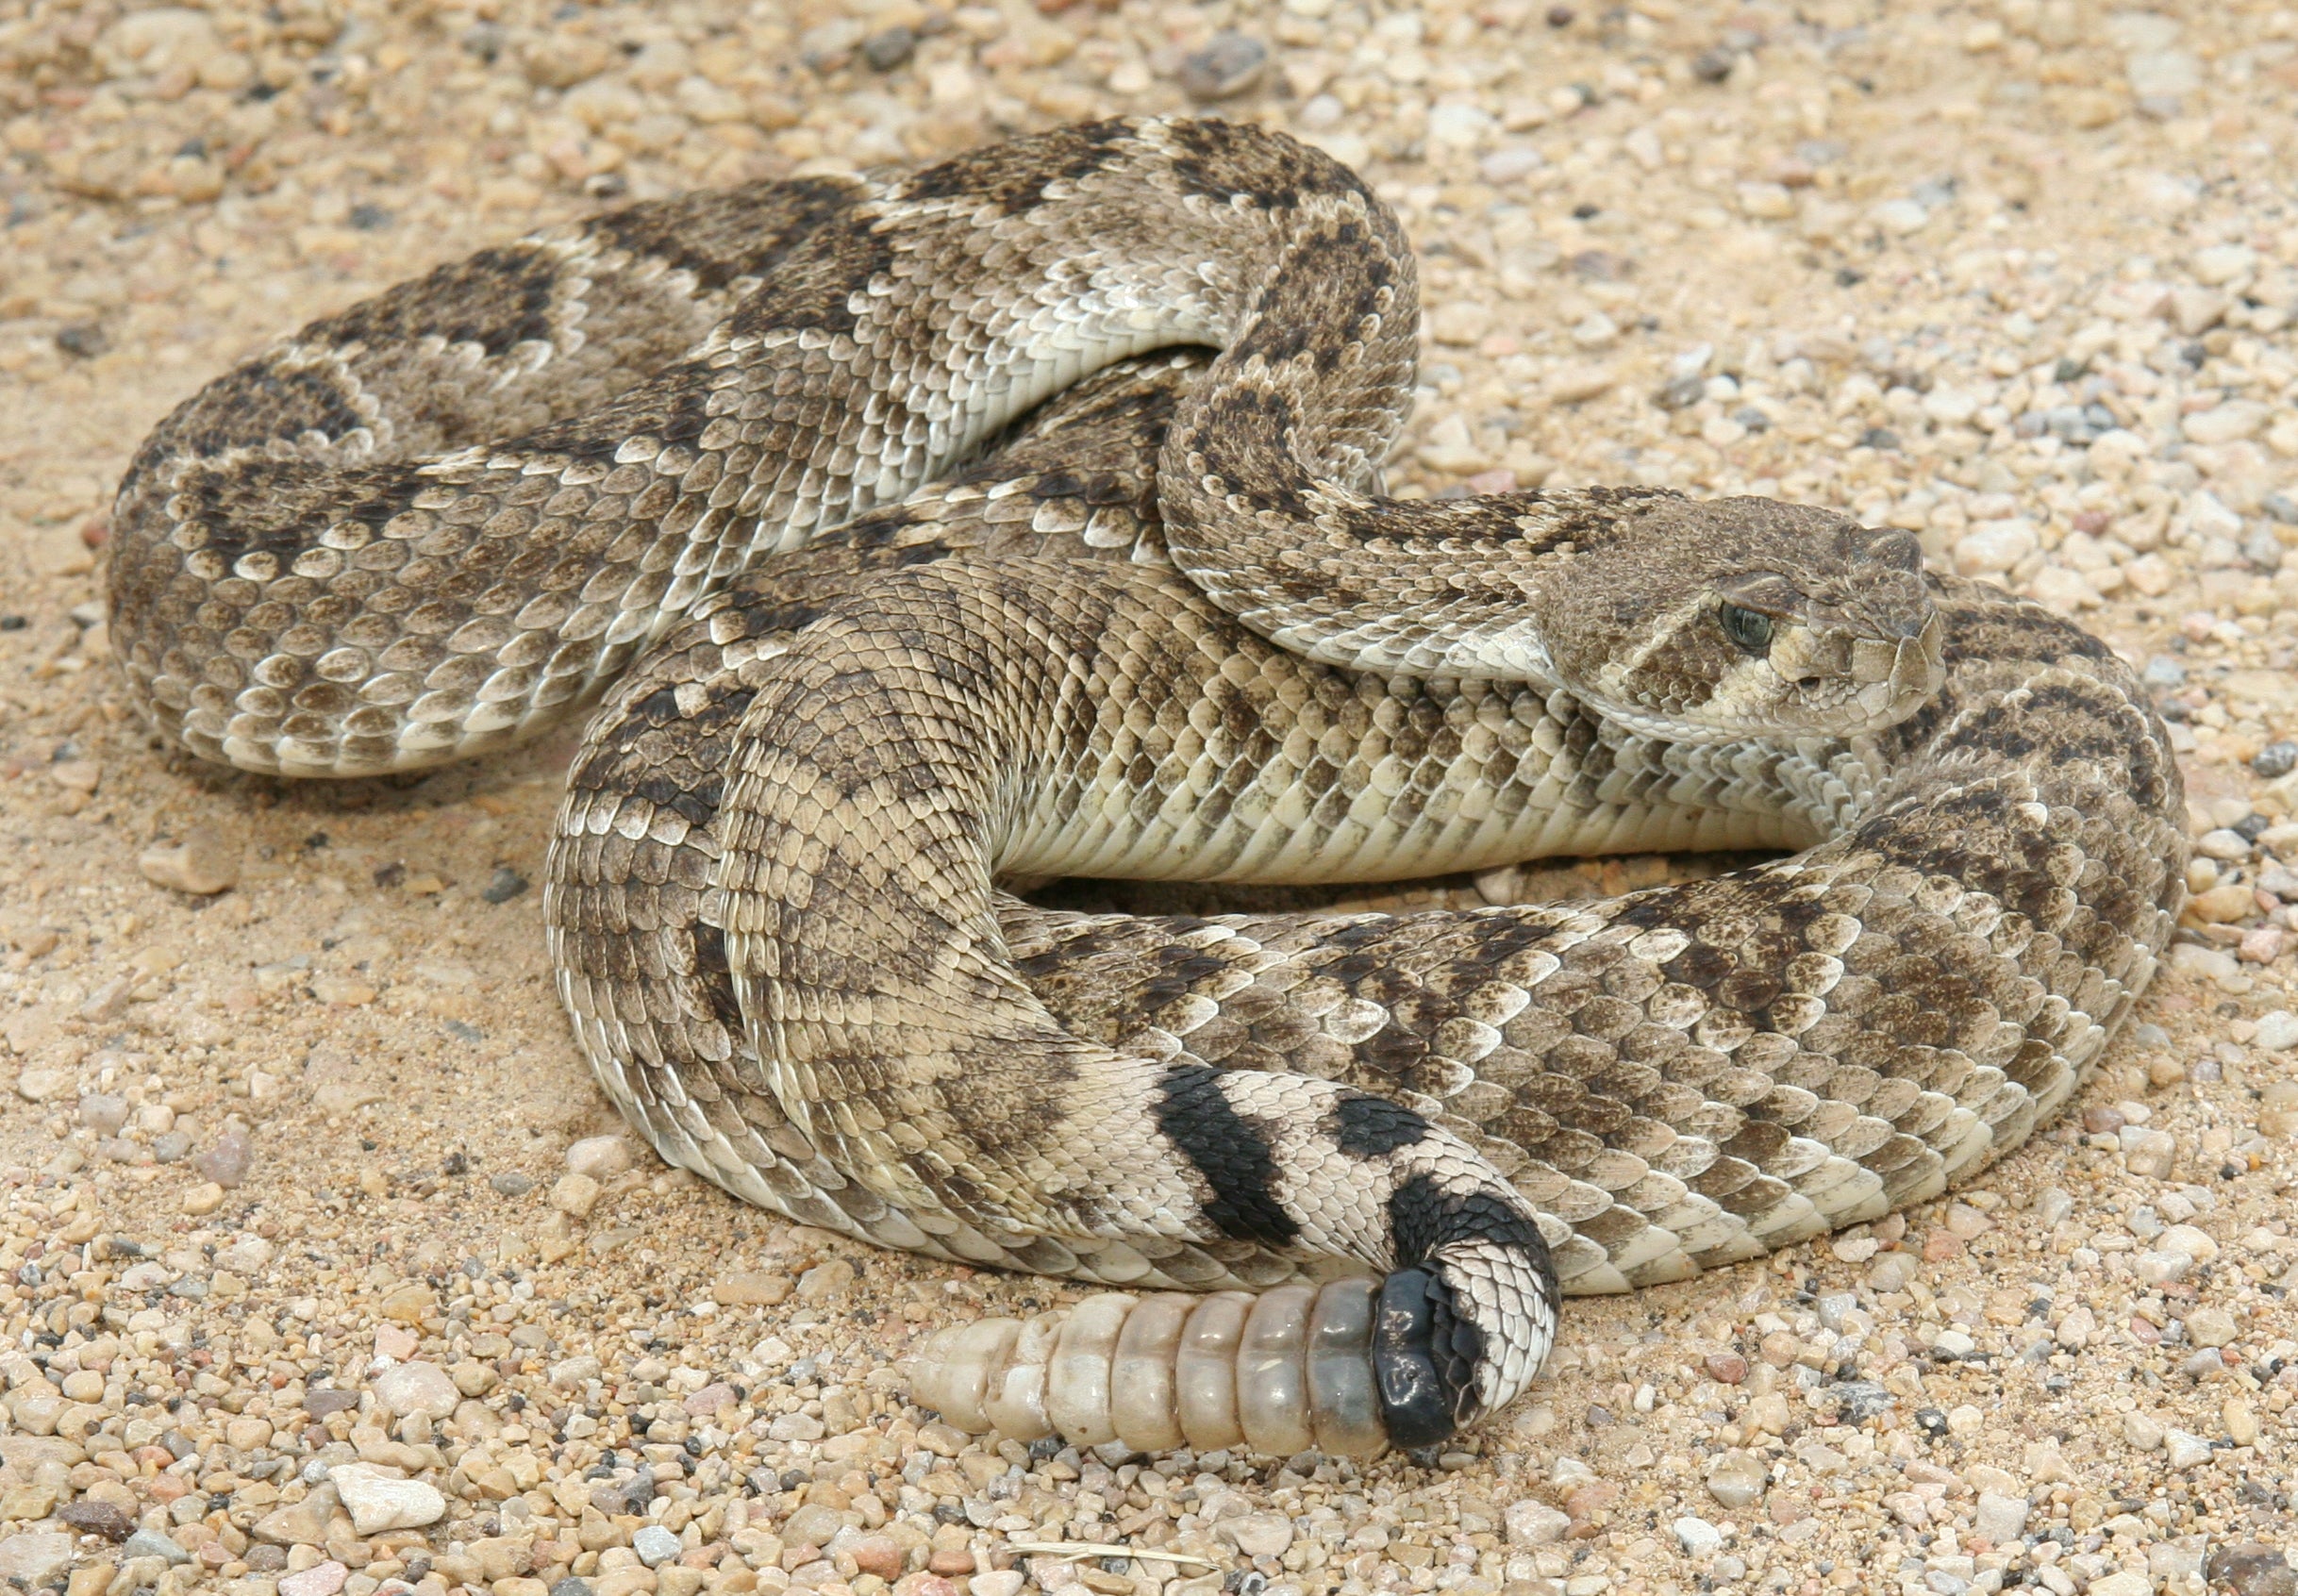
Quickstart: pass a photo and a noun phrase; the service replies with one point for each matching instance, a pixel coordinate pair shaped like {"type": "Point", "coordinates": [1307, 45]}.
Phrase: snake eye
{"type": "Point", "coordinates": [1749, 628]}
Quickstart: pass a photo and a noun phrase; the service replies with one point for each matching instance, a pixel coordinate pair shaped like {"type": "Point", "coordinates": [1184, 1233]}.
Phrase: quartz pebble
{"type": "Point", "coordinates": [2278, 1031]}
{"type": "Point", "coordinates": [1699, 1538]}
{"type": "Point", "coordinates": [1259, 1535]}
{"type": "Point", "coordinates": [417, 1387]}
{"type": "Point", "coordinates": [1735, 1479]}
{"type": "Point", "coordinates": [655, 1545]}
{"type": "Point", "coordinates": [1999, 1515]}
{"type": "Point", "coordinates": [203, 861]}
{"type": "Point", "coordinates": [320, 1579]}
{"type": "Point", "coordinates": [378, 1503]}
{"type": "Point", "coordinates": [227, 1161]}
{"type": "Point", "coordinates": [2183, 1451]}
{"type": "Point", "coordinates": [1536, 1524]}
{"type": "Point", "coordinates": [35, 1557]}
{"type": "Point", "coordinates": [599, 1158]}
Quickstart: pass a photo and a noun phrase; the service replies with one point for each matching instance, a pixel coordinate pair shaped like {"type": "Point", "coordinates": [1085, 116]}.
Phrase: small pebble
{"type": "Point", "coordinates": [1737, 1479]}
{"type": "Point", "coordinates": [2001, 1516]}
{"type": "Point", "coordinates": [378, 1504]}
{"type": "Point", "coordinates": [1258, 1535]}
{"type": "Point", "coordinates": [576, 1195]}
{"type": "Point", "coordinates": [1699, 1538]}
{"type": "Point", "coordinates": [599, 1158]}
{"type": "Point", "coordinates": [2278, 1031]}
{"type": "Point", "coordinates": [104, 1113]}
{"type": "Point", "coordinates": [2183, 1451]}
{"type": "Point", "coordinates": [320, 1579]}
{"type": "Point", "coordinates": [1230, 64]}
{"type": "Point", "coordinates": [1860, 1399]}
{"type": "Point", "coordinates": [655, 1545]}
{"type": "Point", "coordinates": [2223, 844]}
{"type": "Point", "coordinates": [2211, 1327]}
{"type": "Point", "coordinates": [416, 1387]}
{"type": "Point", "coordinates": [2148, 1154]}
{"type": "Point", "coordinates": [227, 1161]}
{"type": "Point", "coordinates": [1891, 1272]}
{"type": "Point", "coordinates": [2250, 1569]}
{"type": "Point", "coordinates": [826, 1282]}
{"type": "Point", "coordinates": [89, 1516]}
{"type": "Point", "coordinates": [153, 1543]}
{"type": "Point", "coordinates": [202, 862]}
{"type": "Point", "coordinates": [1533, 1523]}
{"type": "Point", "coordinates": [503, 886]}
{"type": "Point", "coordinates": [203, 1199]}
{"type": "Point", "coordinates": [750, 1289]}
{"type": "Point", "coordinates": [2241, 1420]}
{"type": "Point", "coordinates": [885, 52]}
{"type": "Point", "coordinates": [35, 1557]}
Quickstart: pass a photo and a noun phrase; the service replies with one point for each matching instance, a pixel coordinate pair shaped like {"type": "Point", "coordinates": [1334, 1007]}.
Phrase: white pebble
{"type": "Point", "coordinates": [1950, 407]}
{"type": "Point", "coordinates": [417, 1387]}
{"type": "Point", "coordinates": [2183, 1451]}
{"type": "Point", "coordinates": [2161, 1268]}
{"type": "Point", "coordinates": [1570, 385]}
{"type": "Point", "coordinates": [1900, 216]}
{"type": "Point", "coordinates": [2225, 424]}
{"type": "Point", "coordinates": [1530, 1524]}
{"type": "Point", "coordinates": [202, 862]}
{"type": "Point", "coordinates": [2220, 264]}
{"type": "Point", "coordinates": [1999, 1517]}
{"type": "Point", "coordinates": [1700, 1539]}
{"type": "Point", "coordinates": [1258, 1535]}
{"type": "Point", "coordinates": [2150, 1154]}
{"type": "Point", "coordinates": [1596, 331]}
{"type": "Point", "coordinates": [655, 1545]}
{"type": "Point", "coordinates": [1735, 1479]}
{"type": "Point", "coordinates": [2194, 1242]}
{"type": "Point", "coordinates": [1992, 547]}
{"type": "Point", "coordinates": [2206, 516]}
{"type": "Point", "coordinates": [378, 1503]}
{"type": "Point", "coordinates": [2277, 1030]}
{"type": "Point", "coordinates": [601, 1157]}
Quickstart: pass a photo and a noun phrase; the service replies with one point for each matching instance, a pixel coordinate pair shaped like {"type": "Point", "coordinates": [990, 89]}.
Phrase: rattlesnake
{"type": "Point", "coordinates": [1166, 629]}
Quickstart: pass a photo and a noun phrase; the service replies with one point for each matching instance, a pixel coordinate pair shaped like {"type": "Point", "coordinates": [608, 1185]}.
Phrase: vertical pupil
{"type": "Point", "coordinates": [1746, 627]}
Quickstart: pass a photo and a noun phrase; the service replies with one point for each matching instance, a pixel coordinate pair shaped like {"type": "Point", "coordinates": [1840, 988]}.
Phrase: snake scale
{"type": "Point", "coordinates": [929, 533]}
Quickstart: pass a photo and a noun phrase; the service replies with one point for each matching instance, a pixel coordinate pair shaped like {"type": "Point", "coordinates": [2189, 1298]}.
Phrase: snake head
{"type": "Point", "coordinates": [1713, 620]}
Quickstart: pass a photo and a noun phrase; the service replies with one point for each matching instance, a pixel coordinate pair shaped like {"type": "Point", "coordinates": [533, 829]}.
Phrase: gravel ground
{"type": "Point", "coordinates": [326, 1270]}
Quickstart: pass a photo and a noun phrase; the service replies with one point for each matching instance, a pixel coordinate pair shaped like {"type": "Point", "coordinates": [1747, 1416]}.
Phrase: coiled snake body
{"type": "Point", "coordinates": [1165, 630]}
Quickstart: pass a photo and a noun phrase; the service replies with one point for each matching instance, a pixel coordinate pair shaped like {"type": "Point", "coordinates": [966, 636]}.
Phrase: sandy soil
{"type": "Point", "coordinates": [299, 1295]}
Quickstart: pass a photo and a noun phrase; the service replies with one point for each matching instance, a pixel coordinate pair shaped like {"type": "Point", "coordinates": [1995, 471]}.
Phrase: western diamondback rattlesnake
{"type": "Point", "coordinates": [442, 519]}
